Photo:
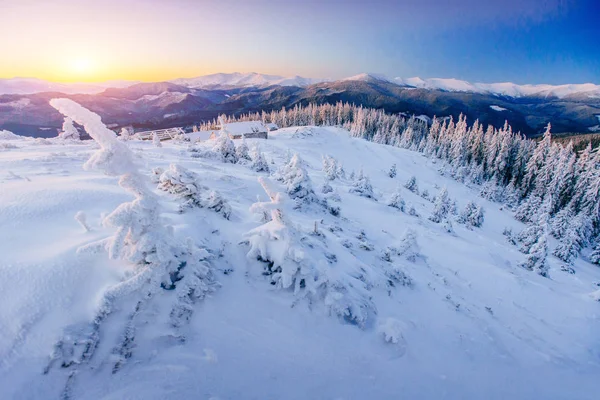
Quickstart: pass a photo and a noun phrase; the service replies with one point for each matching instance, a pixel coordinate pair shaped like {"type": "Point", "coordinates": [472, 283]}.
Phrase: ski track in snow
{"type": "Point", "coordinates": [473, 325]}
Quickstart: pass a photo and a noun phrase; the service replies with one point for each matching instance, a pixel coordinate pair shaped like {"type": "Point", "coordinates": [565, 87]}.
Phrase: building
{"type": "Point", "coordinates": [249, 129]}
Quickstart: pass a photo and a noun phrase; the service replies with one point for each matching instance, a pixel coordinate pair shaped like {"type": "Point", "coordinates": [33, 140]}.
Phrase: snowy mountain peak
{"type": "Point", "coordinates": [368, 77]}
{"type": "Point", "coordinates": [243, 79]}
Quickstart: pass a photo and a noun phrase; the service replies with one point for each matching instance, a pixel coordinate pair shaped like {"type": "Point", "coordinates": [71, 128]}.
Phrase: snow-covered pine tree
{"type": "Point", "coordinates": [396, 201]}
{"type": "Point", "coordinates": [297, 181]}
{"type": "Point", "coordinates": [392, 171]}
{"type": "Point", "coordinates": [69, 132]}
{"type": "Point", "coordinates": [595, 254]}
{"type": "Point", "coordinates": [537, 257]}
{"type": "Point", "coordinates": [472, 215]}
{"type": "Point", "coordinates": [362, 186]}
{"type": "Point", "coordinates": [242, 151]}
{"type": "Point", "coordinates": [294, 261]}
{"type": "Point", "coordinates": [156, 140]}
{"type": "Point", "coordinates": [330, 168]}
{"type": "Point", "coordinates": [441, 207]}
{"type": "Point", "coordinates": [259, 164]}
{"type": "Point", "coordinates": [125, 134]}
{"type": "Point", "coordinates": [226, 148]}
{"type": "Point", "coordinates": [412, 185]}
{"type": "Point", "coordinates": [186, 185]}
{"type": "Point", "coordinates": [408, 246]}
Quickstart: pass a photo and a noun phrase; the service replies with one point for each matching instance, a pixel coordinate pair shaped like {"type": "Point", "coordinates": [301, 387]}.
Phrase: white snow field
{"type": "Point", "coordinates": [450, 317]}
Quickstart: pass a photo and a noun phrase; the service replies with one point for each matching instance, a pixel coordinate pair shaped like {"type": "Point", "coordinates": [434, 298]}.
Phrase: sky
{"type": "Point", "coordinates": [522, 41]}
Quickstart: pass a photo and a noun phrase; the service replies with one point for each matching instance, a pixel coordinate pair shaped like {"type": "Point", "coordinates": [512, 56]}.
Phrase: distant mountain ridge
{"type": "Point", "coordinates": [183, 102]}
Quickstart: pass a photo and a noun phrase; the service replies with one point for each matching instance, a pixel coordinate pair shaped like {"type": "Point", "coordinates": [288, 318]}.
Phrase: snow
{"type": "Point", "coordinates": [498, 108]}
{"type": "Point", "coordinates": [469, 323]}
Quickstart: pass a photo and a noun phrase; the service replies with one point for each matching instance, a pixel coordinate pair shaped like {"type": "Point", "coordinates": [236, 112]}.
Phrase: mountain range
{"type": "Point", "coordinates": [24, 105]}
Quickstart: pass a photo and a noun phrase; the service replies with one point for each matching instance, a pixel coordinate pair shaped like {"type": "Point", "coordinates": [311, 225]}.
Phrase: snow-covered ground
{"type": "Point", "coordinates": [468, 323]}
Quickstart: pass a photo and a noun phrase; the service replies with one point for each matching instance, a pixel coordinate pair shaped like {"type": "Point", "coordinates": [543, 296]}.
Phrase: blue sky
{"type": "Point", "coordinates": [523, 41]}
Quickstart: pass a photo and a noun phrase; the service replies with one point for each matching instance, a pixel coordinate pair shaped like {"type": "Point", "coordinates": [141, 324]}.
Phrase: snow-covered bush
{"type": "Point", "coordinates": [186, 185]}
{"type": "Point", "coordinates": [69, 132]}
{"type": "Point", "coordinates": [295, 262]}
{"type": "Point", "coordinates": [125, 134]}
{"type": "Point", "coordinates": [225, 147]}
{"type": "Point", "coordinates": [362, 186]}
{"type": "Point", "coordinates": [392, 329]}
{"type": "Point", "coordinates": [441, 207]}
{"type": "Point", "coordinates": [412, 185]}
{"type": "Point", "coordinates": [425, 195]}
{"type": "Point", "coordinates": [397, 201]}
{"type": "Point", "coordinates": [472, 215]}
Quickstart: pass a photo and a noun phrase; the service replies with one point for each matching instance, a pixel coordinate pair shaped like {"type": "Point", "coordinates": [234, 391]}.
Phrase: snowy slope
{"type": "Point", "coordinates": [238, 79]}
{"type": "Point", "coordinates": [471, 325]}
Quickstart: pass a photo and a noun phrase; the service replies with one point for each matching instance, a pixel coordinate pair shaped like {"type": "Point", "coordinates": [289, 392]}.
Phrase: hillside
{"type": "Point", "coordinates": [402, 305]}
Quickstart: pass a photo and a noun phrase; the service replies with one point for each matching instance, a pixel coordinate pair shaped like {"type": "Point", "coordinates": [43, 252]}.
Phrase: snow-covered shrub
{"type": "Point", "coordinates": [186, 185]}
{"type": "Point", "coordinates": [8, 135]}
{"type": "Point", "coordinates": [155, 174]}
{"type": "Point", "coordinates": [397, 201]}
{"type": "Point", "coordinates": [441, 207]}
{"type": "Point", "coordinates": [69, 132]}
{"type": "Point", "coordinates": [510, 236]}
{"type": "Point", "coordinates": [362, 186]}
{"type": "Point", "coordinates": [326, 188]}
{"type": "Point", "coordinates": [412, 185]}
{"type": "Point", "coordinates": [156, 140]}
{"type": "Point", "coordinates": [447, 224]}
{"type": "Point", "coordinates": [472, 215]}
{"type": "Point", "coordinates": [529, 236]}
{"type": "Point", "coordinates": [298, 263]}
{"type": "Point", "coordinates": [391, 329]}
{"type": "Point", "coordinates": [242, 151]}
{"type": "Point", "coordinates": [259, 164]}
{"type": "Point", "coordinates": [226, 148]}
{"type": "Point", "coordinates": [425, 195]}
{"type": "Point", "coordinates": [392, 171]}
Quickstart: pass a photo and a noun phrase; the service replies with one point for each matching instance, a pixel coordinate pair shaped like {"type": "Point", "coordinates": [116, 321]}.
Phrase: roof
{"type": "Point", "coordinates": [241, 128]}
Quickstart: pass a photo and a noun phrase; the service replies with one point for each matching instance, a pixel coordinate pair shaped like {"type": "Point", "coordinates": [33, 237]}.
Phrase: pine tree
{"type": "Point", "coordinates": [242, 151]}
{"type": "Point", "coordinates": [69, 132]}
{"type": "Point", "coordinates": [362, 186]}
{"type": "Point", "coordinates": [412, 185]}
{"type": "Point", "coordinates": [259, 164]}
{"type": "Point", "coordinates": [441, 207]}
{"type": "Point", "coordinates": [595, 255]}
{"type": "Point", "coordinates": [396, 201]}
{"type": "Point", "coordinates": [225, 147]}
{"type": "Point", "coordinates": [537, 258]}
{"type": "Point", "coordinates": [392, 171]}
{"type": "Point", "coordinates": [156, 140]}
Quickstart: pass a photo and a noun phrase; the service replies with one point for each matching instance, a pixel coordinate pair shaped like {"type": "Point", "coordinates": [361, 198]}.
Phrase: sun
{"type": "Point", "coordinates": [81, 66]}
